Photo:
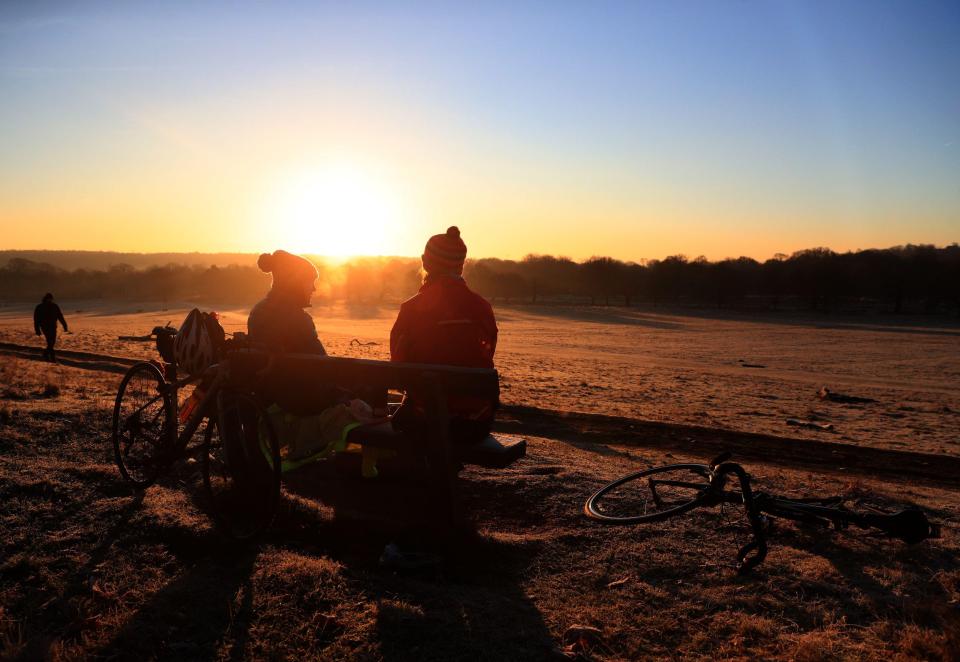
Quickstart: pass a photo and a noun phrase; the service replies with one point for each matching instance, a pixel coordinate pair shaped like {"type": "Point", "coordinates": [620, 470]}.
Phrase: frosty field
{"type": "Point", "coordinates": [691, 368]}
{"type": "Point", "coordinates": [91, 569]}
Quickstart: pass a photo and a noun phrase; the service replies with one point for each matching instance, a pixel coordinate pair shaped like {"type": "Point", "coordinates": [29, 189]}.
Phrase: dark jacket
{"type": "Point", "coordinates": [447, 323]}
{"type": "Point", "coordinates": [45, 318]}
{"type": "Point", "coordinates": [281, 325]}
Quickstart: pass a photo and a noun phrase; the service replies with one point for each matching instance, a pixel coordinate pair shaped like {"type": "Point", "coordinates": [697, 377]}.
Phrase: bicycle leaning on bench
{"type": "Point", "coordinates": [659, 493]}
{"type": "Point", "coordinates": [239, 453]}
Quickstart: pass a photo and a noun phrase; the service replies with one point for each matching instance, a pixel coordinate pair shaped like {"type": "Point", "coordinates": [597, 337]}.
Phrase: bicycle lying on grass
{"type": "Point", "coordinates": [675, 489]}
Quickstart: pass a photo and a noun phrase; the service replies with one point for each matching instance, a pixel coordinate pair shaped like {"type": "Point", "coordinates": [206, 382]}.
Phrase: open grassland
{"type": "Point", "coordinates": [749, 373]}
{"type": "Point", "coordinates": [90, 569]}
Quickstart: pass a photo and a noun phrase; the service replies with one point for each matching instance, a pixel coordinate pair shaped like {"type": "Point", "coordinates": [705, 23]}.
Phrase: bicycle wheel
{"type": "Point", "coordinates": [144, 424]}
{"type": "Point", "coordinates": [241, 466]}
{"type": "Point", "coordinates": [651, 495]}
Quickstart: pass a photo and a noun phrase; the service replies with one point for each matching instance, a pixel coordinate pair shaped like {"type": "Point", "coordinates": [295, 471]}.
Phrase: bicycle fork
{"type": "Point", "coordinates": [754, 552]}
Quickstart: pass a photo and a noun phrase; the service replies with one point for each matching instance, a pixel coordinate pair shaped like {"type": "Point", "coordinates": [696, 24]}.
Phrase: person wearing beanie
{"type": "Point", "coordinates": [279, 321]}
{"type": "Point", "coordinates": [445, 253]}
{"type": "Point", "coordinates": [446, 323]}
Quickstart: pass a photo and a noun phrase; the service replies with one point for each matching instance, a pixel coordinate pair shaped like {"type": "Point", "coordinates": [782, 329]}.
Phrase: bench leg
{"type": "Point", "coordinates": [442, 458]}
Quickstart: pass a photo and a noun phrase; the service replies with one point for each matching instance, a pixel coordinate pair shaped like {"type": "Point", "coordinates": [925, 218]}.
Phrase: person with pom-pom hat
{"type": "Point", "coordinates": [279, 323]}
{"type": "Point", "coordinates": [446, 323]}
{"type": "Point", "coordinates": [279, 320]}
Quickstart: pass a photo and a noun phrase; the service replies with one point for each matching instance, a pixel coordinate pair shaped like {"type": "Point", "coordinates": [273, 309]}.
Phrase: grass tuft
{"type": "Point", "coordinates": [50, 390]}
{"type": "Point", "coordinates": [815, 646]}
{"type": "Point", "coordinates": [12, 641]}
{"type": "Point", "coordinates": [13, 393]}
{"type": "Point", "coordinates": [920, 643]}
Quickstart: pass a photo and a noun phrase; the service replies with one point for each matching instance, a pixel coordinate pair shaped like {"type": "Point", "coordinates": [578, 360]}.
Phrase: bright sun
{"type": "Point", "coordinates": [336, 210]}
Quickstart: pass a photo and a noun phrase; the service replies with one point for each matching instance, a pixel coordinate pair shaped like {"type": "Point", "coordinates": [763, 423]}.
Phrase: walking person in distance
{"type": "Point", "coordinates": [45, 318]}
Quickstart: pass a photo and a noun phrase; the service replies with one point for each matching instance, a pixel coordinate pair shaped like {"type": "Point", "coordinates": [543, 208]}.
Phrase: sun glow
{"type": "Point", "coordinates": [336, 210]}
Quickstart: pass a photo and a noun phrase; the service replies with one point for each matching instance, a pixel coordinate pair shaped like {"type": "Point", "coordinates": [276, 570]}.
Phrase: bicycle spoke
{"type": "Point", "coordinates": [140, 423]}
{"type": "Point", "coordinates": [147, 404]}
{"type": "Point", "coordinates": [651, 494]}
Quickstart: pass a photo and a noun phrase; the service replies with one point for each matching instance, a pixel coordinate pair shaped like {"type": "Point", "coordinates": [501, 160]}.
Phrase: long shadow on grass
{"type": "Point", "coordinates": [910, 597]}
{"type": "Point", "coordinates": [597, 314]}
{"type": "Point", "coordinates": [204, 612]}
{"type": "Point", "coordinates": [60, 615]}
{"type": "Point", "coordinates": [471, 605]}
{"type": "Point", "coordinates": [475, 610]}
{"type": "Point", "coordinates": [677, 317]}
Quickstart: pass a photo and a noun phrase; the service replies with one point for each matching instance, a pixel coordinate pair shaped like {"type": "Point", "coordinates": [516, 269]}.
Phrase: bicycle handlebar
{"type": "Point", "coordinates": [909, 525]}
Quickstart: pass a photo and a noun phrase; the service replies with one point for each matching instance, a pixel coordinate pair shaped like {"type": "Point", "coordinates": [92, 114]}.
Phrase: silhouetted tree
{"type": "Point", "coordinates": [912, 278]}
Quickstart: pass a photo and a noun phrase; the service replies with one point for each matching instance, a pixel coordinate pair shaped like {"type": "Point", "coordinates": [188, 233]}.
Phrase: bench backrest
{"type": "Point", "coordinates": [308, 371]}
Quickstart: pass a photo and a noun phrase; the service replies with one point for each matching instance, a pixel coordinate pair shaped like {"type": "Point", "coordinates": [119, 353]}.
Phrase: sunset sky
{"type": "Point", "coordinates": [635, 129]}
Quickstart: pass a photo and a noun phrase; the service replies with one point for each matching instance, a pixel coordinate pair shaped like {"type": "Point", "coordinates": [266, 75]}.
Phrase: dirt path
{"type": "Point", "coordinates": [840, 459]}
{"type": "Point", "coordinates": [83, 360]}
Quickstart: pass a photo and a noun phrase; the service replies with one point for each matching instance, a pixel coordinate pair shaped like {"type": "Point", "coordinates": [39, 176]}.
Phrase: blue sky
{"type": "Point", "coordinates": [634, 129]}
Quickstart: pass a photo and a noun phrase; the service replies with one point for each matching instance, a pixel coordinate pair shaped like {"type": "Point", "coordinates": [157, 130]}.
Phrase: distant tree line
{"type": "Point", "coordinates": [916, 279]}
{"type": "Point", "coordinates": [902, 279]}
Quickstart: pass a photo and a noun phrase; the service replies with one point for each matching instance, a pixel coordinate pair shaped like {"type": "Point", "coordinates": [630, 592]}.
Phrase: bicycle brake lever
{"type": "Point", "coordinates": [720, 459]}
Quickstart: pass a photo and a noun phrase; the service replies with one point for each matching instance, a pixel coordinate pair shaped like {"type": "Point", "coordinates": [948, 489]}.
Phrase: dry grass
{"type": "Point", "coordinates": [88, 569]}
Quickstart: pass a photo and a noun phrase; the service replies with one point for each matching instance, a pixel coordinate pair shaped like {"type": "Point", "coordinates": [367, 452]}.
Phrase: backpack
{"type": "Point", "coordinates": [198, 342]}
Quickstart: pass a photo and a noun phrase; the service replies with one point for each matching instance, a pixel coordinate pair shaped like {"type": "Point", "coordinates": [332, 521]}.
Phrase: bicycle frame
{"type": "Point", "coordinates": [909, 525]}
{"type": "Point", "coordinates": [203, 410]}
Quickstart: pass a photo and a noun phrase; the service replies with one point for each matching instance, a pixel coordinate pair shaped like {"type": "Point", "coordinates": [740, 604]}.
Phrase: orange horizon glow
{"type": "Point", "coordinates": [375, 217]}
{"type": "Point", "coordinates": [353, 202]}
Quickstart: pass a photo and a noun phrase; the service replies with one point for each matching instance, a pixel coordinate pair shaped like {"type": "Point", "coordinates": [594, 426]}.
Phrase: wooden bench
{"type": "Point", "coordinates": [433, 383]}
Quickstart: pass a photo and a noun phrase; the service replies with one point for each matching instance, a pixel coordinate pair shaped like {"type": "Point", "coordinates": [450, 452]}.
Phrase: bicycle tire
{"type": "Point", "coordinates": [150, 435]}
{"type": "Point", "coordinates": [243, 492]}
{"type": "Point", "coordinates": [593, 507]}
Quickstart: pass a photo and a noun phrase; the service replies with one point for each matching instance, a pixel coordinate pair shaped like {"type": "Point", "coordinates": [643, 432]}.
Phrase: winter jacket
{"type": "Point", "coordinates": [280, 324]}
{"type": "Point", "coordinates": [45, 318]}
{"type": "Point", "coordinates": [446, 323]}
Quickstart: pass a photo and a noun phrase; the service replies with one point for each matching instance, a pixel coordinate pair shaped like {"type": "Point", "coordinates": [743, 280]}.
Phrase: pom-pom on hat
{"type": "Point", "coordinates": [445, 252]}
{"type": "Point", "coordinates": [287, 269]}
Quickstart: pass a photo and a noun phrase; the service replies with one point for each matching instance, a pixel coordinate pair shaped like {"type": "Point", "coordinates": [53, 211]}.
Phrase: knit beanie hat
{"type": "Point", "coordinates": [287, 269]}
{"type": "Point", "coordinates": [445, 252]}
